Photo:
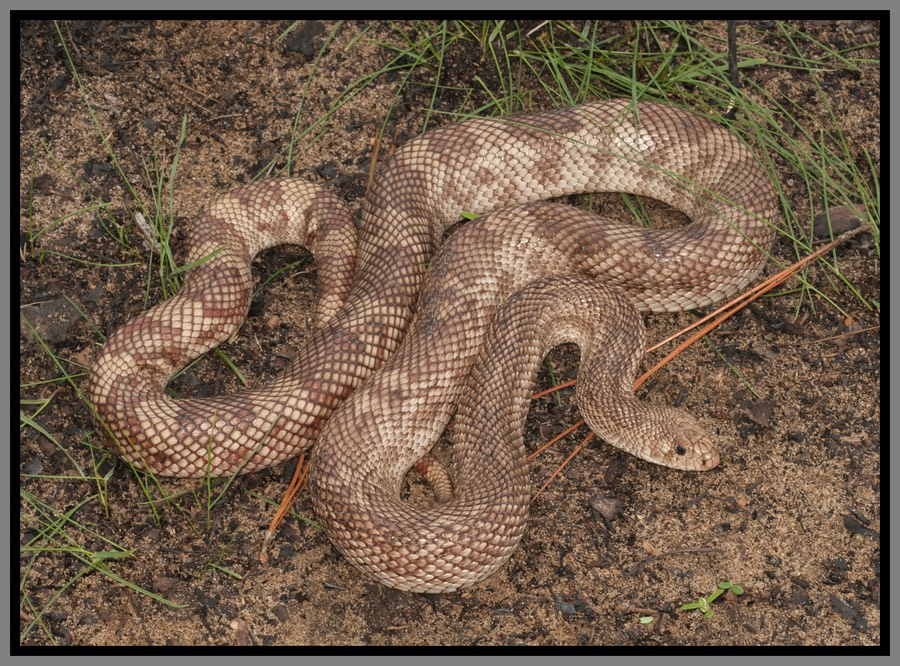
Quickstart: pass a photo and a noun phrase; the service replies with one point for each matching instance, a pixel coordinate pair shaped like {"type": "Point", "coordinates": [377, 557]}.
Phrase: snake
{"type": "Point", "coordinates": [389, 361]}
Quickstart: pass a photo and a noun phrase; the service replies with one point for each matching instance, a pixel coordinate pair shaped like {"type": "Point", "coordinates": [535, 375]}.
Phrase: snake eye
{"type": "Point", "coordinates": [680, 450]}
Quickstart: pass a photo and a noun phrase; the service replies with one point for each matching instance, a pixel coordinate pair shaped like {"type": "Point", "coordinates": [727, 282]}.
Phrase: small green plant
{"type": "Point", "coordinates": [704, 604]}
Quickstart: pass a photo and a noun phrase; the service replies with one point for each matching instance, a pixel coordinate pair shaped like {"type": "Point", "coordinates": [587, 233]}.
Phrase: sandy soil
{"type": "Point", "coordinates": [790, 387]}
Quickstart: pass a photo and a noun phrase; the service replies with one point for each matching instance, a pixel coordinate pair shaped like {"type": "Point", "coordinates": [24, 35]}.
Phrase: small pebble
{"type": "Point", "coordinates": [843, 219]}
{"type": "Point", "coordinates": [608, 507]}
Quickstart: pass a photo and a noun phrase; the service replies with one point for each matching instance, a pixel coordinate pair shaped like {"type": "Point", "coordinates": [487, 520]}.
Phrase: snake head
{"type": "Point", "coordinates": [656, 433]}
{"type": "Point", "coordinates": [684, 444]}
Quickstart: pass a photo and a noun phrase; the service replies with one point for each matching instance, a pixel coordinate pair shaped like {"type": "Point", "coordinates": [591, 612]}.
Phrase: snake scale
{"type": "Point", "coordinates": [539, 263]}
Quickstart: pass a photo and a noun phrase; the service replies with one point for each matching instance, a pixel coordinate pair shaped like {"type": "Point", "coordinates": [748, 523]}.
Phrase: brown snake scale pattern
{"type": "Point", "coordinates": [376, 435]}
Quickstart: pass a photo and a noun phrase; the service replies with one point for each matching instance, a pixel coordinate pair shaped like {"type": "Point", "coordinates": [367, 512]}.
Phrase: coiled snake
{"type": "Point", "coordinates": [377, 434]}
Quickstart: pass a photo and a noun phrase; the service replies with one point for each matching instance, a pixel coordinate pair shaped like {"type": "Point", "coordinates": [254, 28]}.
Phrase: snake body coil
{"type": "Point", "coordinates": [476, 166]}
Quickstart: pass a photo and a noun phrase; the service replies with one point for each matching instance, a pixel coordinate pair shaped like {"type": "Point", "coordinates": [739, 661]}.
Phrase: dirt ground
{"type": "Point", "coordinates": [790, 388]}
